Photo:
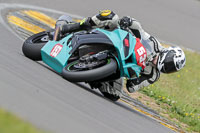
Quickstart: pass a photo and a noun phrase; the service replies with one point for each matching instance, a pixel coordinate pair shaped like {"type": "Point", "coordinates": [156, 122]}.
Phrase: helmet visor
{"type": "Point", "coordinates": [169, 65]}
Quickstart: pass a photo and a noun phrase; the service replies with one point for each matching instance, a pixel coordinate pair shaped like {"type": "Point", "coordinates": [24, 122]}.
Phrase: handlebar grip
{"type": "Point", "coordinates": [71, 28]}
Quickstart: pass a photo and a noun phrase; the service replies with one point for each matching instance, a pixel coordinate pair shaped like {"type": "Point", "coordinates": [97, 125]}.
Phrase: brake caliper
{"type": "Point", "coordinates": [91, 61]}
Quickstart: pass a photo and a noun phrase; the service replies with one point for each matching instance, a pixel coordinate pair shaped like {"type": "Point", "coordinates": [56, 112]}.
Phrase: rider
{"type": "Point", "coordinates": [159, 59]}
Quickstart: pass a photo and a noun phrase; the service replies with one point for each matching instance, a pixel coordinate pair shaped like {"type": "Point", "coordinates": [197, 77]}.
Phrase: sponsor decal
{"type": "Point", "coordinates": [56, 50]}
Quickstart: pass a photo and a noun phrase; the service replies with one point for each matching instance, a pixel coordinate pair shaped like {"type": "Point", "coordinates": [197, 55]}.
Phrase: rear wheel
{"type": "Point", "coordinates": [78, 71]}
{"type": "Point", "coordinates": [33, 45]}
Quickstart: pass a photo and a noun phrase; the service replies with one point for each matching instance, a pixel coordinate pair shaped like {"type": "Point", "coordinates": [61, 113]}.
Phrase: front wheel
{"type": "Point", "coordinates": [33, 45]}
{"type": "Point", "coordinates": [78, 72]}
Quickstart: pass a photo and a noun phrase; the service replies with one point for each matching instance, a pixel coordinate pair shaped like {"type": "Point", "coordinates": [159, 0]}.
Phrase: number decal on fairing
{"type": "Point", "coordinates": [141, 51]}
{"type": "Point", "coordinates": [56, 50]}
{"type": "Point", "coordinates": [141, 54]}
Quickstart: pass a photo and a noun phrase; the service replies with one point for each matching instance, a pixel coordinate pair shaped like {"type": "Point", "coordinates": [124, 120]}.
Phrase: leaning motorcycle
{"type": "Point", "coordinates": [98, 57]}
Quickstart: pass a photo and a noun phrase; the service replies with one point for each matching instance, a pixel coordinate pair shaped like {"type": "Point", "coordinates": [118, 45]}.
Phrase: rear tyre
{"type": "Point", "coordinates": [33, 45]}
{"type": "Point", "coordinates": [78, 75]}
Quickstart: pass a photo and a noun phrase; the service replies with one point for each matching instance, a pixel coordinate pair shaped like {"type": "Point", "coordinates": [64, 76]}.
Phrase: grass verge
{"type": "Point", "coordinates": [179, 93]}
{"type": "Point", "coordinates": [12, 124]}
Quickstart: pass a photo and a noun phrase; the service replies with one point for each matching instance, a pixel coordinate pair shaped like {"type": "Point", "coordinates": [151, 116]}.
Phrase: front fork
{"type": "Point", "coordinates": [57, 35]}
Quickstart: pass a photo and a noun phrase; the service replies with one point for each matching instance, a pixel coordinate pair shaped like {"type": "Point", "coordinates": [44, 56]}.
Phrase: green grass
{"type": "Point", "coordinates": [181, 92]}
{"type": "Point", "coordinates": [12, 124]}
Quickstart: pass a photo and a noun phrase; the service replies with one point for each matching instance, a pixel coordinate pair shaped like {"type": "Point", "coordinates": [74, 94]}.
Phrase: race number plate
{"type": "Point", "coordinates": [141, 54]}
{"type": "Point", "coordinates": [56, 50]}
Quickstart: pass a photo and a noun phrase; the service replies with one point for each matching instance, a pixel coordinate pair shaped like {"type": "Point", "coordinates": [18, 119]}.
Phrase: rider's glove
{"type": "Point", "coordinates": [130, 86]}
{"type": "Point", "coordinates": [125, 22]}
{"type": "Point", "coordinates": [85, 23]}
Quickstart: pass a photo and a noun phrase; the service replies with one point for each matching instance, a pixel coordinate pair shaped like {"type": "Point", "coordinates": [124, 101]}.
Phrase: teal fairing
{"type": "Point", "coordinates": [117, 37]}
{"type": "Point", "coordinates": [57, 53]}
{"type": "Point", "coordinates": [60, 61]}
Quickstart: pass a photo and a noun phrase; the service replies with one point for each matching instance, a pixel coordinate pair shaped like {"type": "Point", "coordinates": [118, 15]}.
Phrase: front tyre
{"type": "Point", "coordinates": [33, 45]}
{"type": "Point", "coordinates": [71, 73]}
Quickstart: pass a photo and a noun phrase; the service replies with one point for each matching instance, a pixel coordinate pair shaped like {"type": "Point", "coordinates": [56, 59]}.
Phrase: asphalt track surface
{"type": "Point", "coordinates": [42, 97]}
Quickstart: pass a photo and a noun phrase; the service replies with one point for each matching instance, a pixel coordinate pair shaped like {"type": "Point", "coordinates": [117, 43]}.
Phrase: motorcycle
{"type": "Point", "coordinates": [98, 57]}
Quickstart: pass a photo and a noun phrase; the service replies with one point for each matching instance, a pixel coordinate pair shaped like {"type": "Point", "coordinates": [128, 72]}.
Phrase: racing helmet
{"type": "Point", "coordinates": [106, 19]}
{"type": "Point", "coordinates": [171, 59]}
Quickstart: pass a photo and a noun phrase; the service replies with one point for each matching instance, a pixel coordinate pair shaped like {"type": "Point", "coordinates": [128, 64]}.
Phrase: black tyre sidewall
{"type": "Point", "coordinates": [33, 50]}
{"type": "Point", "coordinates": [90, 75]}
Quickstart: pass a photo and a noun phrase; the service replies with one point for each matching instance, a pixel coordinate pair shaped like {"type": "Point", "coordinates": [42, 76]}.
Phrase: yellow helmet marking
{"type": "Point", "coordinates": [105, 13]}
